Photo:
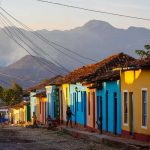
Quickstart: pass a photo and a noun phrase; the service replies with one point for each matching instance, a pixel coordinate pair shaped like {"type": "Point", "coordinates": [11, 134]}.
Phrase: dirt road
{"type": "Point", "coordinates": [19, 138]}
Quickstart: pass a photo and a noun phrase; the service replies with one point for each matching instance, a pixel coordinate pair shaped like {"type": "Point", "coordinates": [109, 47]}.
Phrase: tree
{"type": "Point", "coordinates": [12, 95]}
{"type": "Point", "coordinates": [145, 53]}
{"type": "Point", "coordinates": [18, 93]}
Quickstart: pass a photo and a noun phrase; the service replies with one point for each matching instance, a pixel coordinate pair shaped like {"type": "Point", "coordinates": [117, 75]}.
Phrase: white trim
{"type": "Point", "coordinates": [126, 91]}
{"type": "Point", "coordinates": [144, 89]}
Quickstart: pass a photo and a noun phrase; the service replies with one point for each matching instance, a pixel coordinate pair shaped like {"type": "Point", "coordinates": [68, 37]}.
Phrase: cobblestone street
{"type": "Point", "coordinates": [18, 138]}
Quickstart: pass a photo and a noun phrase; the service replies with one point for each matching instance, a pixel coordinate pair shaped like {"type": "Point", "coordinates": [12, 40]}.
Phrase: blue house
{"type": "Point", "coordinates": [78, 103]}
{"type": "Point", "coordinates": [52, 106]}
{"type": "Point", "coordinates": [109, 102]}
{"type": "Point", "coordinates": [32, 102]}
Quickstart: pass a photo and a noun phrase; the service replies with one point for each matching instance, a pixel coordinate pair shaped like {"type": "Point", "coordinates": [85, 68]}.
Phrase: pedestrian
{"type": "Point", "coordinates": [99, 125]}
{"type": "Point", "coordinates": [34, 120]}
{"type": "Point", "coordinates": [49, 121]}
{"type": "Point", "coordinates": [0, 118]}
{"type": "Point", "coordinates": [3, 120]}
{"type": "Point", "coordinates": [69, 116]}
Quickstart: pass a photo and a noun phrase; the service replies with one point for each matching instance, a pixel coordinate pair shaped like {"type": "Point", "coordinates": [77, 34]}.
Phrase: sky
{"type": "Point", "coordinates": [38, 15]}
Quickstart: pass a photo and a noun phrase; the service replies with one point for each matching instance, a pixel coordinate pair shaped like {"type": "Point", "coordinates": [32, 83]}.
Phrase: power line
{"type": "Point", "coordinates": [9, 34]}
{"type": "Point", "coordinates": [95, 11]}
{"type": "Point", "coordinates": [24, 36]}
{"type": "Point", "coordinates": [45, 39]}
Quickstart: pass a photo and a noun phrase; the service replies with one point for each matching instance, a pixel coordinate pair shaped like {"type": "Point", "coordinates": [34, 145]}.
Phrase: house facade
{"type": "Point", "coordinates": [135, 89]}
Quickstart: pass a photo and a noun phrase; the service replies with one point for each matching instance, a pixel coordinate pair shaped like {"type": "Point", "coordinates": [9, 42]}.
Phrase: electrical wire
{"type": "Point", "coordinates": [24, 36]}
{"type": "Point", "coordinates": [45, 39]}
{"type": "Point", "coordinates": [95, 11]}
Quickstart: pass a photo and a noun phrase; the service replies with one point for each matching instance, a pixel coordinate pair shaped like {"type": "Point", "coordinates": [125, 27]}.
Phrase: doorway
{"type": "Point", "coordinates": [131, 113]}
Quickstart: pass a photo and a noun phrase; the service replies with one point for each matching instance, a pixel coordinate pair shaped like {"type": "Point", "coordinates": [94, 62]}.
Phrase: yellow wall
{"type": "Point", "coordinates": [38, 108]}
{"type": "Point", "coordinates": [65, 101]}
{"type": "Point", "coordinates": [134, 81]}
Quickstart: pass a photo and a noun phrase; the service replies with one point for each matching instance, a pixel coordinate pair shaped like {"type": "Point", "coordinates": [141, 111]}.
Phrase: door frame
{"type": "Point", "coordinates": [131, 111]}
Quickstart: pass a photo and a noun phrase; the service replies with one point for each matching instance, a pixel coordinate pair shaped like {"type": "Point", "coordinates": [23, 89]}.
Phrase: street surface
{"type": "Point", "coordinates": [19, 138]}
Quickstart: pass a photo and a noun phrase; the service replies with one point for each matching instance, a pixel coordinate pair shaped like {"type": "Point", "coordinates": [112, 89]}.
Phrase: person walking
{"type": "Point", "coordinates": [49, 122]}
{"type": "Point", "coordinates": [99, 125]}
{"type": "Point", "coordinates": [69, 116]}
{"type": "Point", "coordinates": [3, 120]}
{"type": "Point", "coordinates": [34, 120]}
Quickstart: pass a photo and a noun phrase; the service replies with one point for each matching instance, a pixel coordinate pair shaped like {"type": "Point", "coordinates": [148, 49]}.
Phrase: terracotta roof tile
{"type": "Point", "coordinates": [87, 73]}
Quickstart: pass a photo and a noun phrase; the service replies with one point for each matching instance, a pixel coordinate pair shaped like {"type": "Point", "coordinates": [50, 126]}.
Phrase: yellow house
{"type": "Point", "coordinates": [135, 87]}
{"type": "Point", "coordinates": [64, 97]}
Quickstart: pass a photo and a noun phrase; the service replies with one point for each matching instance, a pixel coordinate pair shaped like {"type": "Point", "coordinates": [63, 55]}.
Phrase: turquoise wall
{"type": "Point", "coordinates": [78, 103]}
{"type": "Point", "coordinates": [52, 105]}
{"type": "Point", "coordinates": [32, 103]}
{"type": "Point", "coordinates": [111, 87]}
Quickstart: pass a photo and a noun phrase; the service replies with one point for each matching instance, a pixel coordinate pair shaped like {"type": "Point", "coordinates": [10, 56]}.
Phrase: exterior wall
{"type": "Point", "coordinates": [21, 115]}
{"type": "Point", "coordinates": [37, 108]}
{"type": "Point", "coordinates": [111, 87]}
{"type": "Point", "coordinates": [53, 102]}
{"type": "Point", "coordinates": [64, 98]}
{"type": "Point", "coordinates": [134, 81]}
{"type": "Point", "coordinates": [42, 109]}
{"type": "Point", "coordinates": [91, 104]}
{"type": "Point", "coordinates": [78, 103]}
{"type": "Point", "coordinates": [15, 115]}
{"type": "Point", "coordinates": [32, 103]}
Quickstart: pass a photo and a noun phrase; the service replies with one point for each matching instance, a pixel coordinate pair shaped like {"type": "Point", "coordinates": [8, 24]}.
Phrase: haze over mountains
{"type": "Point", "coordinates": [96, 40]}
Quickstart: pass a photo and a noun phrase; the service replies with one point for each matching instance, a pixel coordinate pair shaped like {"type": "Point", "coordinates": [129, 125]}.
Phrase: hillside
{"type": "Point", "coordinates": [29, 71]}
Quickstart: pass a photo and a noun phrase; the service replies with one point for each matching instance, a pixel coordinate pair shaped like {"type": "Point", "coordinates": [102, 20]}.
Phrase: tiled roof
{"type": "Point", "coordinates": [43, 84]}
{"type": "Point", "coordinates": [140, 63]}
{"type": "Point", "coordinates": [90, 72]}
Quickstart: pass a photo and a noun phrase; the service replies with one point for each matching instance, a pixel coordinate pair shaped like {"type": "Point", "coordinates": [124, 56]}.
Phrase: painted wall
{"type": "Point", "coordinates": [32, 103]}
{"type": "Point", "coordinates": [91, 107]}
{"type": "Point", "coordinates": [78, 103]}
{"type": "Point", "coordinates": [64, 98]}
{"type": "Point", "coordinates": [37, 108]}
{"type": "Point", "coordinates": [108, 113]}
{"type": "Point", "coordinates": [42, 109]}
{"type": "Point", "coordinates": [53, 108]}
{"type": "Point", "coordinates": [134, 81]}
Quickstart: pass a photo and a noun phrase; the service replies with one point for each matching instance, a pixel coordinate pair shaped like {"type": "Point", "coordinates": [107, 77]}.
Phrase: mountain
{"type": "Point", "coordinates": [95, 39]}
{"type": "Point", "coordinates": [29, 71]}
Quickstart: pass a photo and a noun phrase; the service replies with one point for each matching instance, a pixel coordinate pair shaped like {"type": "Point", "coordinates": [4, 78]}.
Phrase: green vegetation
{"type": "Point", "coordinates": [145, 53]}
{"type": "Point", "coordinates": [12, 95]}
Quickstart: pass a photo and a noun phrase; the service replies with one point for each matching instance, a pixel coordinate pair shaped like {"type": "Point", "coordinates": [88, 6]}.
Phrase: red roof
{"type": "Point", "coordinates": [91, 71]}
{"type": "Point", "coordinates": [43, 84]}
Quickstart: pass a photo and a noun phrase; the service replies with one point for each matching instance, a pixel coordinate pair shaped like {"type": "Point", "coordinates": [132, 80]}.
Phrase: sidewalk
{"type": "Point", "coordinates": [113, 141]}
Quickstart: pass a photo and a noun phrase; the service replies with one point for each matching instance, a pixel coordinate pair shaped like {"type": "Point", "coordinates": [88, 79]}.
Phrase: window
{"type": "Point", "coordinates": [144, 108]}
{"type": "Point", "coordinates": [125, 107]}
{"type": "Point", "coordinates": [88, 103]}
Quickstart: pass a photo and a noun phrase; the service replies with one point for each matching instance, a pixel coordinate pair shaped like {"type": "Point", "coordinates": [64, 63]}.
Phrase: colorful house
{"type": "Point", "coordinates": [86, 76]}
{"type": "Point", "coordinates": [42, 97]}
{"type": "Point", "coordinates": [38, 101]}
{"type": "Point", "coordinates": [32, 102]}
{"type": "Point", "coordinates": [41, 102]}
{"type": "Point", "coordinates": [20, 113]}
{"type": "Point", "coordinates": [135, 87]}
{"type": "Point", "coordinates": [52, 106]}
{"type": "Point", "coordinates": [78, 103]}
{"type": "Point", "coordinates": [103, 93]}
{"type": "Point", "coordinates": [109, 102]}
